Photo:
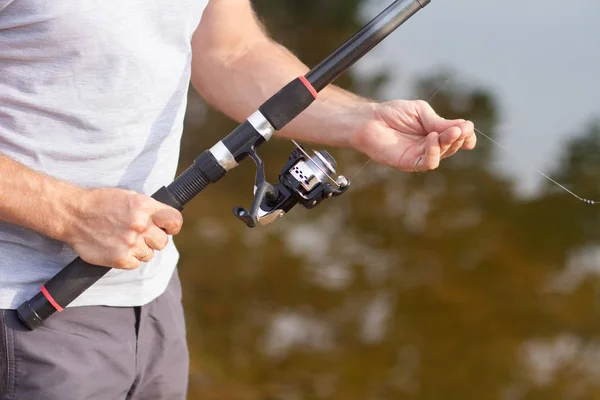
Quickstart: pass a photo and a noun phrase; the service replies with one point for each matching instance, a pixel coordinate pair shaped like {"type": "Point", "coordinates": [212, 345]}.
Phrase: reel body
{"type": "Point", "coordinates": [305, 180]}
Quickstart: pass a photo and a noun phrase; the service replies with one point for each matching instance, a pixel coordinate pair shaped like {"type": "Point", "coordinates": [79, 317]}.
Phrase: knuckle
{"type": "Point", "coordinates": [136, 200]}
{"type": "Point", "coordinates": [422, 104]}
{"type": "Point", "coordinates": [139, 221]}
{"type": "Point", "coordinates": [130, 239]}
{"type": "Point", "coordinates": [149, 256]}
{"type": "Point", "coordinates": [162, 242]}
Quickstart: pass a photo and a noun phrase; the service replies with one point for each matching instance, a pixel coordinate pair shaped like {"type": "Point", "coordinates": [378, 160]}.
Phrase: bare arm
{"type": "Point", "coordinates": [111, 227]}
{"type": "Point", "coordinates": [236, 67]}
{"type": "Point", "coordinates": [231, 46]}
{"type": "Point", "coordinates": [36, 201]}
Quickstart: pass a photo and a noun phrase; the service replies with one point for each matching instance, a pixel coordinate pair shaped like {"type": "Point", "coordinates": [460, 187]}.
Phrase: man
{"type": "Point", "coordinates": [92, 99]}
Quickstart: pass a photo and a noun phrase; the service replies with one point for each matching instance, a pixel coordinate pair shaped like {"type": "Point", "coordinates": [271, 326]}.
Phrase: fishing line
{"type": "Point", "coordinates": [587, 201]}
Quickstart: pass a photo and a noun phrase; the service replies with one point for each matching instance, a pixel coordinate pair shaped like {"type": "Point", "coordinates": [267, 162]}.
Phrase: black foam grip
{"type": "Point", "coordinates": [64, 287]}
{"type": "Point", "coordinates": [287, 104]}
{"type": "Point", "coordinates": [78, 276]}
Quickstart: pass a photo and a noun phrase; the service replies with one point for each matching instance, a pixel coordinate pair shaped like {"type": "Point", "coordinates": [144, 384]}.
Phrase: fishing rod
{"type": "Point", "coordinates": [306, 179]}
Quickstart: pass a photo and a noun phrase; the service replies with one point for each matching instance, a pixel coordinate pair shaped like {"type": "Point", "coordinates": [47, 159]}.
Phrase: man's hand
{"type": "Point", "coordinates": [109, 227]}
{"type": "Point", "coordinates": [120, 229]}
{"type": "Point", "coordinates": [410, 136]}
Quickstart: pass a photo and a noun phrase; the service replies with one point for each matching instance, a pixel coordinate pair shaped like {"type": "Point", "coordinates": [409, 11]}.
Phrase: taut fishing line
{"type": "Point", "coordinates": [587, 201]}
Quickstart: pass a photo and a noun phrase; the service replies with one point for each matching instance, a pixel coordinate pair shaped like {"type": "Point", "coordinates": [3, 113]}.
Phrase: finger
{"type": "Point", "coordinates": [431, 159]}
{"type": "Point", "coordinates": [143, 253]}
{"type": "Point", "coordinates": [127, 263]}
{"type": "Point", "coordinates": [156, 238]}
{"type": "Point", "coordinates": [467, 128]}
{"type": "Point", "coordinates": [168, 219]}
{"type": "Point", "coordinates": [449, 138]}
{"type": "Point", "coordinates": [466, 139]}
{"type": "Point", "coordinates": [416, 167]}
{"type": "Point", "coordinates": [454, 148]}
{"type": "Point", "coordinates": [432, 122]}
{"type": "Point", "coordinates": [470, 142]}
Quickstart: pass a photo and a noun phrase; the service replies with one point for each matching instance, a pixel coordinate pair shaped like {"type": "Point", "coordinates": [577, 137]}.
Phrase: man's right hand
{"type": "Point", "coordinates": [119, 228]}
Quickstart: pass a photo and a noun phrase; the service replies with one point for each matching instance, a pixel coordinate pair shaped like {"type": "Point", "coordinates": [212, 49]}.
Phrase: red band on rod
{"type": "Point", "coordinates": [310, 87]}
{"type": "Point", "coordinates": [50, 299]}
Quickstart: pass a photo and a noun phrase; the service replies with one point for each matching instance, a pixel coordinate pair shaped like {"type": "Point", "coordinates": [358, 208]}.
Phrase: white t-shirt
{"type": "Point", "coordinates": [92, 92]}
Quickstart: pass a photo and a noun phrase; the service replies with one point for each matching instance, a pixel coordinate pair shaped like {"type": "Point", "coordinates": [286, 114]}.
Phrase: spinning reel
{"type": "Point", "coordinates": [305, 179]}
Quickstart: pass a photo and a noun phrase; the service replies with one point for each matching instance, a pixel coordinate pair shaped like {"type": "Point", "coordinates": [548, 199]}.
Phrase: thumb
{"type": "Point", "coordinates": [168, 219]}
{"type": "Point", "coordinates": [432, 152]}
{"type": "Point", "coordinates": [432, 122]}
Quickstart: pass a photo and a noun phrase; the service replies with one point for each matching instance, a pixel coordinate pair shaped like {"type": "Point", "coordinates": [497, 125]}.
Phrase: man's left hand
{"type": "Point", "coordinates": [410, 136]}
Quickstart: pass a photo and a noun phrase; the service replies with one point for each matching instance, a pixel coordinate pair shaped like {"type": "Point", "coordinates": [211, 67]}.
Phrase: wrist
{"type": "Point", "coordinates": [67, 208]}
{"type": "Point", "coordinates": [345, 115]}
{"type": "Point", "coordinates": [337, 118]}
{"type": "Point", "coordinates": [363, 114]}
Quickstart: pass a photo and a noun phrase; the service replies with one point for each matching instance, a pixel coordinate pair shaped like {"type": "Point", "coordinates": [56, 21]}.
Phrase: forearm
{"type": "Point", "coordinates": [34, 200]}
{"type": "Point", "coordinates": [236, 67]}
{"type": "Point", "coordinates": [238, 82]}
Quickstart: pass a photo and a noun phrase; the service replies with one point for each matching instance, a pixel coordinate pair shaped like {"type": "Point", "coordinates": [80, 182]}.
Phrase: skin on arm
{"type": "Point", "coordinates": [231, 44]}
{"type": "Point", "coordinates": [109, 227]}
{"type": "Point", "coordinates": [236, 67]}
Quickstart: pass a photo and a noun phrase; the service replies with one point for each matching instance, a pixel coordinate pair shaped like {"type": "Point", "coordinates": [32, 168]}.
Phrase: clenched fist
{"type": "Point", "coordinates": [121, 229]}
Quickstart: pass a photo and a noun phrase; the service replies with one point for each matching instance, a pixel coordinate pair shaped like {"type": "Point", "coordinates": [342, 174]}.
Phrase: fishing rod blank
{"type": "Point", "coordinates": [363, 42]}
{"type": "Point", "coordinates": [302, 181]}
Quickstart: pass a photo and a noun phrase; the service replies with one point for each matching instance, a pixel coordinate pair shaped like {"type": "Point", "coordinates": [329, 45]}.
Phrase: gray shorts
{"type": "Point", "coordinates": [102, 353]}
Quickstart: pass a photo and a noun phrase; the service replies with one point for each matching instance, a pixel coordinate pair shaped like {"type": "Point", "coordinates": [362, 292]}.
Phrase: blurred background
{"type": "Point", "coordinates": [476, 281]}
